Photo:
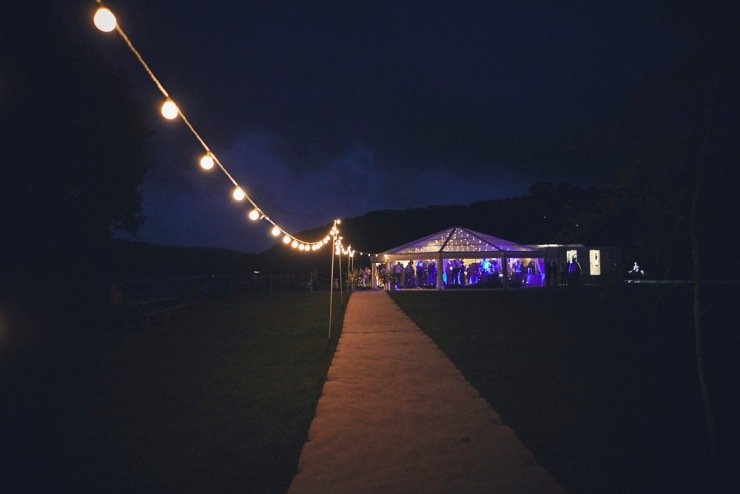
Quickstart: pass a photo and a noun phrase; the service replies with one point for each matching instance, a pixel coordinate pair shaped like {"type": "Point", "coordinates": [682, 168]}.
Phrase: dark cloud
{"type": "Point", "coordinates": [202, 213]}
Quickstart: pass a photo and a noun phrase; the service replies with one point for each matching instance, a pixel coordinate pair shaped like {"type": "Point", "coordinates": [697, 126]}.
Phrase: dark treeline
{"type": "Point", "coordinates": [142, 260]}
{"type": "Point", "coordinates": [537, 217]}
{"type": "Point", "coordinates": [72, 156]}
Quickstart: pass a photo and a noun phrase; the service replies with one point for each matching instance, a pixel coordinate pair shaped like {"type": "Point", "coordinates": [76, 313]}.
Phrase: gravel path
{"type": "Point", "coordinates": [396, 416]}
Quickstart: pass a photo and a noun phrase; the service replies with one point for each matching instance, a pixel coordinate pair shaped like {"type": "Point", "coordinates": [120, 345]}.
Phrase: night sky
{"type": "Point", "coordinates": [331, 109]}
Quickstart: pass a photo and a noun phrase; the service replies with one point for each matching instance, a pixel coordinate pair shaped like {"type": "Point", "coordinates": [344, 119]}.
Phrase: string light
{"type": "Point", "coordinates": [238, 194]}
{"type": "Point", "coordinates": [206, 162]}
{"type": "Point", "coordinates": [169, 109]}
{"type": "Point", "coordinates": [105, 20]}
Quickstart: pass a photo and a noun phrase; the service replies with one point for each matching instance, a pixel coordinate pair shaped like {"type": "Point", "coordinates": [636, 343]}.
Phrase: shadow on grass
{"type": "Point", "coordinates": [218, 400]}
{"type": "Point", "coordinates": [600, 383]}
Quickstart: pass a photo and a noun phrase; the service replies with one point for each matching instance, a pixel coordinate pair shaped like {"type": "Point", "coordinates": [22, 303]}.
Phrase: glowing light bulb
{"type": "Point", "coordinates": [105, 20]}
{"type": "Point", "coordinates": [275, 231]}
{"type": "Point", "coordinates": [301, 247]}
{"type": "Point", "coordinates": [238, 194]}
{"type": "Point", "coordinates": [294, 244]}
{"type": "Point", "coordinates": [169, 110]}
{"type": "Point", "coordinates": [286, 239]}
{"type": "Point", "coordinates": [206, 162]}
{"type": "Point", "coordinates": [254, 215]}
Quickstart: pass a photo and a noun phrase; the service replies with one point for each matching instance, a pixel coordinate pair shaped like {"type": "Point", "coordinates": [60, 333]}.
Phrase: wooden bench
{"type": "Point", "coordinates": [161, 314]}
{"type": "Point", "coordinates": [150, 310]}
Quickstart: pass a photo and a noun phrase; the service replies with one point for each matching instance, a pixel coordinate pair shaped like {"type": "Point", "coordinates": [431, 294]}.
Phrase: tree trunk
{"type": "Point", "coordinates": [699, 333]}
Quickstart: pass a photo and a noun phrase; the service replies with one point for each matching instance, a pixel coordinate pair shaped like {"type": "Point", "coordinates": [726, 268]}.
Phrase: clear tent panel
{"type": "Point", "coordinates": [457, 239]}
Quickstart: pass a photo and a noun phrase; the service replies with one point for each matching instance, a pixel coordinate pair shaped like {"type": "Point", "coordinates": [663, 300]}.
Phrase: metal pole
{"type": "Point", "coordinates": [341, 290]}
{"type": "Point", "coordinates": [331, 292]}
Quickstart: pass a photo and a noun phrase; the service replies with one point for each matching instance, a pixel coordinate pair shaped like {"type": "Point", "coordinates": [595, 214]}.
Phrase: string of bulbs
{"type": "Point", "coordinates": [105, 20]}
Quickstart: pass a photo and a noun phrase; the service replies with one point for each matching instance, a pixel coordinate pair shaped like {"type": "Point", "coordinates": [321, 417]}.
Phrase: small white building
{"type": "Point", "coordinates": [598, 264]}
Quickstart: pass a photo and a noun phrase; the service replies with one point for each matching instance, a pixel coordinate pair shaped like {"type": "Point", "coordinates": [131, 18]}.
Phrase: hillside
{"type": "Point", "coordinates": [538, 217]}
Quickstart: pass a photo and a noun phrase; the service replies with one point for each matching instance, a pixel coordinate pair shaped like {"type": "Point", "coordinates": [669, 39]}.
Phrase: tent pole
{"type": "Point", "coordinates": [440, 269]}
{"type": "Point", "coordinates": [349, 274]}
{"type": "Point", "coordinates": [505, 271]}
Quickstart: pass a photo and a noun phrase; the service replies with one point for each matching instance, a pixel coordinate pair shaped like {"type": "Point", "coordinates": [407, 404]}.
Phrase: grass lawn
{"type": "Point", "coordinates": [218, 400]}
{"type": "Point", "coordinates": [600, 383]}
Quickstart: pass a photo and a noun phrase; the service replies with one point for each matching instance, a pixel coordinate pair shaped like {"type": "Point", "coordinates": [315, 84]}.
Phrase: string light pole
{"type": "Point", "coordinates": [331, 294]}
{"type": "Point", "coordinates": [339, 264]}
{"type": "Point", "coordinates": [349, 271]}
{"type": "Point", "coordinates": [334, 232]}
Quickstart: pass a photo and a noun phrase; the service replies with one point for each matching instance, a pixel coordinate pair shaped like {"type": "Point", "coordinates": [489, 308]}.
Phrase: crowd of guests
{"type": "Point", "coordinates": [421, 274]}
{"type": "Point", "coordinates": [486, 272]}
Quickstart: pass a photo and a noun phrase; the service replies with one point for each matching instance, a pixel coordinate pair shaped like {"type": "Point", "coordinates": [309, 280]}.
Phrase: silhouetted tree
{"type": "Point", "coordinates": [678, 133]}
{"type": "Point", "coordinates": [72, 152]}
{"type": "Point", "coordinates": [674, 196]}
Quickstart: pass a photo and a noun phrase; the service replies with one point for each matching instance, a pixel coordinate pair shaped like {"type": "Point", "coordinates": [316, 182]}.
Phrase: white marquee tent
{"type": "Point", "coordinates": [459, 243]}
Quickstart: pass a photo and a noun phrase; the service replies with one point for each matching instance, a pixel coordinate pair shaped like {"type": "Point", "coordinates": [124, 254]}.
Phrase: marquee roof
{"type": "Point", "coordinates": [459, 240]}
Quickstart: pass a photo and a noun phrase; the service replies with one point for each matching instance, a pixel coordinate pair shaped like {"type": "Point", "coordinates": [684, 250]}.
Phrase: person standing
{"type": "Point", "coordinates": [398, 275]}
{"type": "Point", "coordinates": [409, 282]}
{"type": "Point", "coordinates": [574, 272]}
{"type": "Point", "coordinates": [636, 272]}
{"type": "Point", "coordinates": [420, 271]}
